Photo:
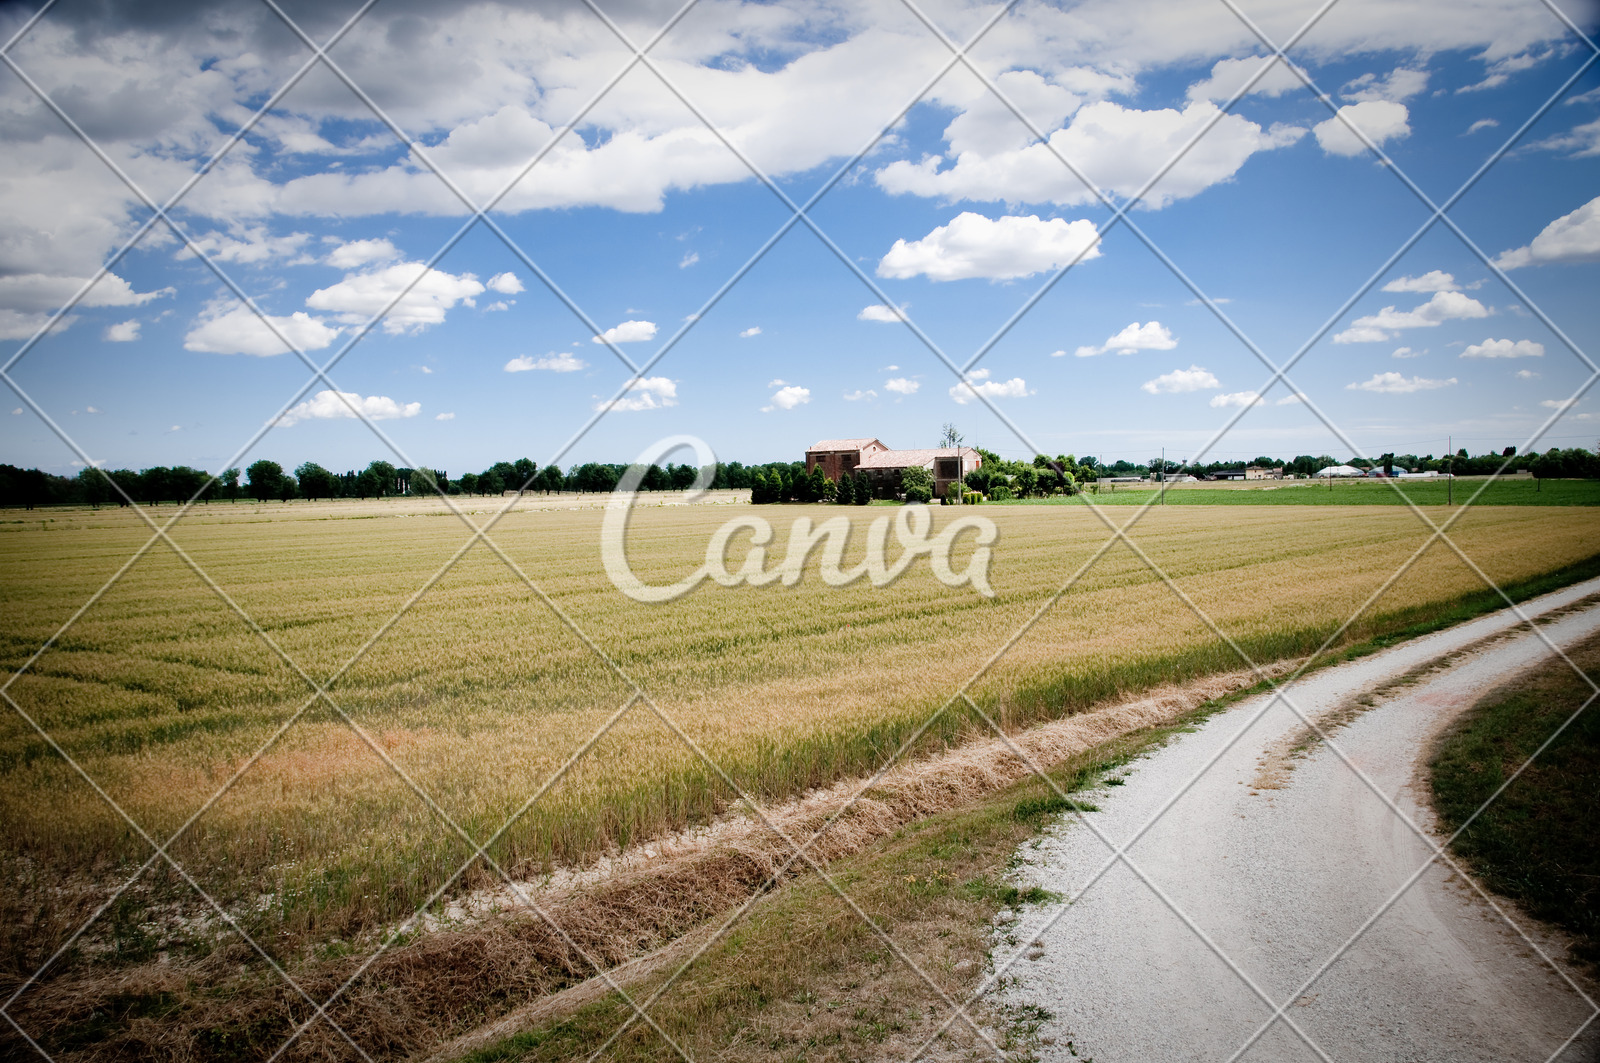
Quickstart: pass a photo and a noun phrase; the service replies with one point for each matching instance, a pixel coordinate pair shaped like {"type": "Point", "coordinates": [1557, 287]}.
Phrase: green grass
{"type": "Point", "coordinates": [1346, 493]}
{"type": "Point", "coordinates": [1539, 842]}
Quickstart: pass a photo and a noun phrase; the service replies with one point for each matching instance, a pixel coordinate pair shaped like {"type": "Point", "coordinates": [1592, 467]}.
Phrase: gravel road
{"type": "Point", "coordinates": [1280, 878]}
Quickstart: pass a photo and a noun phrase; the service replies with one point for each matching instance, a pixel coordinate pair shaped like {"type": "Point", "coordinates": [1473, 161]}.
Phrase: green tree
{"type": "Point", "coordinates": [1026, 481]}
{"type": "Point", "coordinates": [264, 476]}
{"type": "Point", "coordinates": [522, 472]}
{"type": "Point", "coordinates": [949, 437]}
{"type": "Point", "coordinates": [230, 484]}
{"type": "Point", "coordinates": [844, 492]}
{"type": "Point", "coordinates": [93, 488]}
{"type": "Point", "coordinates": [863, 491]}
{"type": "Point", "coordinates": [315, 481]}
{"type": "Point", "coordinates": [388, 478]}
{"type": "Point", "coordinates": [468, 482]}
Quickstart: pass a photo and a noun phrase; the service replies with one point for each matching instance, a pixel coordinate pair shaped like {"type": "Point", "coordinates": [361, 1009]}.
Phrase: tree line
{"type": "Point", "coordinates": [998, 478]}
{"type": "Point", "coordinates": [266, 480]}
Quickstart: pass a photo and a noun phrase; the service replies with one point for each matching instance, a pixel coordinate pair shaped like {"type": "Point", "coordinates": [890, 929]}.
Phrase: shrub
{"type": "Point", "coordinates": [863, 489]}
{"type": "Point", "coordinates": [918, 494]}
{"type": "Point", "coordinates": [916, 478]}
{"type": "Point", "coordinates": [1000, 493]}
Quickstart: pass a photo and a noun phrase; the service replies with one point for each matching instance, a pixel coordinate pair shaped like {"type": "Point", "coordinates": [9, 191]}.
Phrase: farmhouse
{"type": "Point", "coordinates": [1263, 472]}
{"type": "Point", "coordinates": [883, 467]}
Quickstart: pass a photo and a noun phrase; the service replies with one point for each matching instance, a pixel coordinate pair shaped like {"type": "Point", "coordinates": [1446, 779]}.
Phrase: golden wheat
{"type": "Point", "coordinates": [485, 685]}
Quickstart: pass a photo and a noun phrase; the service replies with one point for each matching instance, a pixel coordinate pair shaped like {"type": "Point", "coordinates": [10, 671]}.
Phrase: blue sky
{"type": "Point", "coordinates": [958, 215]}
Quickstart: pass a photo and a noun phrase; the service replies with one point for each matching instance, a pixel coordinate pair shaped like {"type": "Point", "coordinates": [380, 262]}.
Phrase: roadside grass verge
{"type": "Point", "coordinates": [1539, 842]}
{"type": "Point", "coordinates": [804, 977]}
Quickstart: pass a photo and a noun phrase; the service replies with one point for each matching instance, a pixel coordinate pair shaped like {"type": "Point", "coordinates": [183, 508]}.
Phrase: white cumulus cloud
{"type": "Point", "coordinates": [1237, 398]}
{"type": "Point", "coordinates": [628, 332]}
{"type": "Point", "coordinates": [787, 398]}
{"type": "Point", "coordinates": [1401, 84]}
{"type": "Point", "coordinates": [505, 284]}
{"type": "Point", "coordinates": [879, 312]}
{"type": "Point", "coordinates": [1504, 349]}
{"type": "Point", "coordinates": [239, 331]}
{"type": "Point", "coordinates": [332, 405]}
{"type": "Point", "coordinates": [1558, 404]}
{"type": "Point", "coordinates": [1572, 237]}
{"type": "Point", "coordinates": [646, 393]}
{"type": "Point", "coordinates": [1397, 384]}
{"type": "Point", "coordinates": [360, 295]}
{"type": "Point", "coordinates": [903, 386]}
{"type": "Point", "coordinates": [689, 259]}
{"type": "Point", "coordinates": [123, 331]}
{"type": "Point", "coordinates": [1407, 352]}
{"type": "Point", "coordinates": [1229, 75]}
{"type": "Point", "coordinates": [1116, 147]}
{"type": "Point", "coordinates": [250, 245]}
{"type": "Point", "coordinates": [1380, 120]}
{"type": "Point", "coordinates": [1150, 336]}
{"type": "Point", "coordinates": [1193, 378]}
{"type": "Point", "coordinates": [971, 245]}
{"type": "Point", "coordinates": [357, 253]}
{"type": "Point", "coordinates": [753, 330]}
{"type": "Point", "coordinates": [1435, 280]}
{"type": "Point", "coordinates": [444, 417]}
{"type": "Point", "coordinates": [1444, 306]}
{"type": "Point", "coordinates": [859, 394]}
{"type": "Point", "coordinates": [555, 362]}
{"type": "Point", "coordinates": [978, 383]}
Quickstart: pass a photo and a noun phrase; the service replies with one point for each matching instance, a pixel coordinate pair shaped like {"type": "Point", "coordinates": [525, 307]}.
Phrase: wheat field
{"type": "Point", "coordinates": [484, 686]}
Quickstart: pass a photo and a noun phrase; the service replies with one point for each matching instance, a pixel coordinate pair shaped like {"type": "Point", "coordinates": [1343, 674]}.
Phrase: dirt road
{"type": "Point", "coordinates": [1278, 862]}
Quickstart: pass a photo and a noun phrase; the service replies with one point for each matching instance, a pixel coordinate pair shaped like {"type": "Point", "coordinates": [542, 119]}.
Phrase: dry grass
{"type": "Point", "coordinates": [479, 692]}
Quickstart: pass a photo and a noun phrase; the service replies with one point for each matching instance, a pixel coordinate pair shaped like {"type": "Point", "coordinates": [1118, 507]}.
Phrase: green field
{"type": "Point", "coordinates": [479, 691]}
{"type": "Point", "coordinates": [1509, 492]}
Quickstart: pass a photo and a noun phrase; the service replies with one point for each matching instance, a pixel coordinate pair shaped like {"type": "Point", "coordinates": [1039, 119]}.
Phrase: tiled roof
{"type": "Point", "coordinates": [904, 459]}
{"type": "Point", "coordinates": [842, 444]}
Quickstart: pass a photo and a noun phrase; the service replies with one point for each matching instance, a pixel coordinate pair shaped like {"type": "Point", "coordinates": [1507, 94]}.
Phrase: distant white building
{"type": "Point", "coordinates": [1339, 470]}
